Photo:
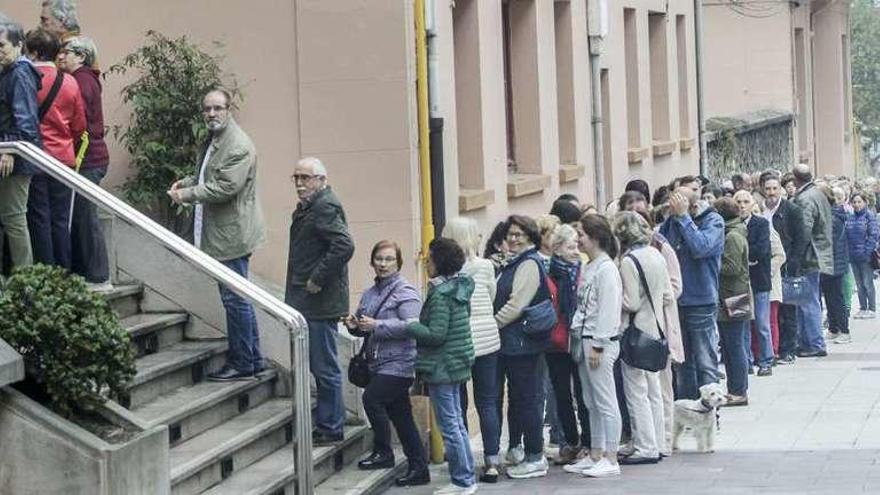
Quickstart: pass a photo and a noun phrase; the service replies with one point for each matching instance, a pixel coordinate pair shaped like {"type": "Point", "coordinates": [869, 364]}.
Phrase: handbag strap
{"type": "Point", "coordinates": [376, 313]}
{"type": "Point", "coordinates": [644, 283]}
{"type": "Point", "coordinates": [50, 98]}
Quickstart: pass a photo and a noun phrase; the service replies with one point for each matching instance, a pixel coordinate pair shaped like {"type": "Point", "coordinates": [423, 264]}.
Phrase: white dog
{"type": "Point", "coordinates": [699, 416]}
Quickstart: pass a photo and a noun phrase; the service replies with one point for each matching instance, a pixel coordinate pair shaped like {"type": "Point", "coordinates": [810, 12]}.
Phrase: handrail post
{"type": "Point", "coordinates": [302, 411]}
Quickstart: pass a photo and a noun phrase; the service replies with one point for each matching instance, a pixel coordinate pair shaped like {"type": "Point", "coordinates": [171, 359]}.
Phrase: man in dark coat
{"type": "Point", "coordinates": [787, 219]}
{"type": "Point", "coordinates": [317, 286]}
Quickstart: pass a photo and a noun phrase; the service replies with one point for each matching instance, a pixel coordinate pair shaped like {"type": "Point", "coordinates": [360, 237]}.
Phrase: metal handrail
{"type": "Point", "coordinates": [287, 316]}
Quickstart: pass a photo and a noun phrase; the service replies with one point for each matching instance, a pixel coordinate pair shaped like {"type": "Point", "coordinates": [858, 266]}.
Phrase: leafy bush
{"type": "Point", "coordinates": [72, 342]}
{"type": "Point", "coordinates": [167, 132]}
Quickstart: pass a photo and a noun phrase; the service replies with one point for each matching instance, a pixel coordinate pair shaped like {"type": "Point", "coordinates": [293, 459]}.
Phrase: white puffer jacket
{"type": "Point", "coordinates": [484, 330]}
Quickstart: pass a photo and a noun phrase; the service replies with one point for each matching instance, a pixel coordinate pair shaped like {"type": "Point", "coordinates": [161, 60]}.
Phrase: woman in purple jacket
{"type": "Point", "coordinates": [383, 313]}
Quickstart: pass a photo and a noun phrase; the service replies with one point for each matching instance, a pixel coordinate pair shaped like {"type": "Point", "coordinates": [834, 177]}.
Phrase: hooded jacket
{"type": "Point", "coordinates": [734, 276]}
{"type": "Point", "coordinates": [19, 119]}
{"type": "Point", "coordinates": [443, 333]}
{"type": "Point", "coordinates": [861, 234]}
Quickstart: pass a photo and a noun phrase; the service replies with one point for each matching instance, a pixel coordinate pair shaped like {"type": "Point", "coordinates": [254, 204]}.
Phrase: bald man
{"type": "Point", "coordinates": [816, 257]}
{"type": "Point", "coordinates": [317, 286]}
{"type": "Point", "coordinates": [696, 232]}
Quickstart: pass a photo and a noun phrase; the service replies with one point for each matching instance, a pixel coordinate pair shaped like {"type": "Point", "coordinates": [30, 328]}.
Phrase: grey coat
{"type": "Point", "coordinates": [819, 252]}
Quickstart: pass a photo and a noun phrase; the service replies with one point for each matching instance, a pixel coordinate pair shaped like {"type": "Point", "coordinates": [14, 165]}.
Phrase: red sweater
{"type": "Point", "coordinates": [65, 120]}
{"type": "Point", "coordinates": [90, 87]}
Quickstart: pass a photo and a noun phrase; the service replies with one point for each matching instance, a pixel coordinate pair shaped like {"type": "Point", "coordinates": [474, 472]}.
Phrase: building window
{"type": "Point", "coordinates": [800, 68]}
{"type": "Point", "coordinates": [506, 37]}
{"type": "Point", "coordinates": [684, 104]}
{"type": "Point", "coordinates": [631, 59]}
{"type": "Point", "coordinates": [606, 135]}
{"type": "Point", "coordinates": [565, 82]}
{"type": "Point", "coordinates": [659, 76]}
{"type": "Point", "coordinates": [845, 79]}
{"type": "Point", "coordinates": [468, 100]}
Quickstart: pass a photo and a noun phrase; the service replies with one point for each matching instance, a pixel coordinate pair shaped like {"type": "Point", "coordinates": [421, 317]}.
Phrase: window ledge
{"type": "Point", "coordinates": [519, 185]}
{"type": "Point", "coordinates": [636, 155]}
{"type": "Point", "coordinates": [570, 172]}
{"type": "Point", "coordinates": [663, 148]}
{"type": "Point", "coordinates": [474, 199]}
{"type": "Point", "coordinates": [686, 143]}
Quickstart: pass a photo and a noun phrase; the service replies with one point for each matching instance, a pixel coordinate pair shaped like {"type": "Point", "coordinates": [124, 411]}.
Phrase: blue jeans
{"type": "Point", "coordinates": [762, 329]}
{"type": "Point", "coordinates": [810, 317]}
{"type": "Point", "coordinates": [524, 380]}
{"type": "Point", "coordinates": [447, 408]}
{"type": "Point", "coordinates": [324, 365]}
{"type": "Point", "coordinates": [486, 398]}
{"type": "Point", "coordinates": [241, 324]}
{"type": "Point", "coordinates": [864, 276]}
{"type": "Point", "coordinates": [48, 216]}
{"type": "Point", "coordinates": [733, 348]}
{"type": "Point", "coordinates": [698, 332]}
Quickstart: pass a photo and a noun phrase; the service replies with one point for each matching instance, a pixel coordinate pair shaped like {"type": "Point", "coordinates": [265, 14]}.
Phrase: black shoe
{"type": "Point", "coordinates": [376, 461]}
{"type": "Point", "coordinates": [322, 438]}
{"type": "Point", "coordinates": [809, 354]}
{"type": "Point", "coordinates": [751, 370]}
{"type": "Point", "coordinates": [228, 374]}
{"type": "Point", "coordinates": [490, 474]}
{"type": "Point", "coordinates": [635, 460]}
{"type": "Point", "coordinates": [765, 371]}
{"type": "Point", "coordinates": [414, 477]}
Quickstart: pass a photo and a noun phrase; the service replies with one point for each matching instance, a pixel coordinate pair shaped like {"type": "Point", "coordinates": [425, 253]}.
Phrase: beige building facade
{"type": "Point", "coordinates": [787, 56]}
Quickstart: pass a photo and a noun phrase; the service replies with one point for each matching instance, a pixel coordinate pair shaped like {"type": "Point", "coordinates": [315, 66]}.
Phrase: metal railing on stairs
{"type": "Point", "coordinates": [292, 320]}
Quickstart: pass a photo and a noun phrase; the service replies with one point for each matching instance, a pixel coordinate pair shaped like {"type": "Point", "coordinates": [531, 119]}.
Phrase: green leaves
{"type": "Point", "coordinates": [71, 340]}
{"type": "Point", "coordinates": [865, 50]}
{"type": "Point", "coordinates": [166, 132]}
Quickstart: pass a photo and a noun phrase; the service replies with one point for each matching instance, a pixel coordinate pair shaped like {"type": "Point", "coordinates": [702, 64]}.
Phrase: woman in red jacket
{"type": "Point", "coordinates": [89, 253]}
{"type": "Point", "coordinates": [62, 122]}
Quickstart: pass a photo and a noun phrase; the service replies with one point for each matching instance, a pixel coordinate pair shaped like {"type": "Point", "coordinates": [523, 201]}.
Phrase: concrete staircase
{"type": "Point", "coordinates": [226, 438]}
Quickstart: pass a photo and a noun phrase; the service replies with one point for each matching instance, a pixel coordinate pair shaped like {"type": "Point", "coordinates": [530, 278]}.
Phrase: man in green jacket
{"type": "Point", "coordinates": [317, 286]}
{"type": "Point", "coordinates": [228, 224]}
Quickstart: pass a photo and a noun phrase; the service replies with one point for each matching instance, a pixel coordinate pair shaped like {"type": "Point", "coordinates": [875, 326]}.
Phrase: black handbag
{"type": "Point", "coordinates": [539, 319]}
{"type": "Point", "coordinates": [639, 349]}
{"type": "Point", "coordinates": [359, 366]}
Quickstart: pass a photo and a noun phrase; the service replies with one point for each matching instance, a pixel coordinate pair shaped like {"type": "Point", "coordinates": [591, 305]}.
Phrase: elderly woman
{"type": "Point", "coordinates": [736, 308]}
{"type": "Point", "coordinates": [88, 250]}
{"type": "Point", "coordinates": [832, 283]}
{"type": "Point", "coordinates": [446, 354]}
{"type": "Point", "coordinates": [596, 324]}
{"type": "Point", "coordinates": [381, 317]}
{"type": "Point", "coordinates": [646, 290]}
{"type": "Point", "coordinates": [522, 283]}
{"type": "Point", "coordinates": [487, 343]}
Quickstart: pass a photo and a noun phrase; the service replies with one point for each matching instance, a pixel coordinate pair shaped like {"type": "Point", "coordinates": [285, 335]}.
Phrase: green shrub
{"type": "Point", "coordinates": [72, 342]}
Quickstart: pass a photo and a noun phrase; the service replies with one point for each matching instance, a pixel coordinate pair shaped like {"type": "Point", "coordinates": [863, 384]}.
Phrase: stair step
{"type": "Point", "coordinates": [182, 364]}
{"type": "Point", "coordinates": [275, 473]}
{"type": "Point", "coordinates": [189, 411]}
{"type": "Point", "coordinates": [202, 462]}
{"type": "Point", "coordinates": [353, 481]}
{"type": "Point", "coordinates": [151, 332]}
{"type": "Point", "coordinates": [124, 299]}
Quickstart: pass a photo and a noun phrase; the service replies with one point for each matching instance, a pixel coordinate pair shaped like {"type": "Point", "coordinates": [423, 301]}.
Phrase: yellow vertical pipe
{"type": "Point", "coordinates": [436, 440]}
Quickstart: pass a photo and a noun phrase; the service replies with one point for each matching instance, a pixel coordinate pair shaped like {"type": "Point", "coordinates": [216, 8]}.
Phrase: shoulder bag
{"type": "Point", "coordinates": [539, 319]}
{"type": "Point", "coordinates": [637, 348]}
{"type": "Point", "coordinates": [359, 366]}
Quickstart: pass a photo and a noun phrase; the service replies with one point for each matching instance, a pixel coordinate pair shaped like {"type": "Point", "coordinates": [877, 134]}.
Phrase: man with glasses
{"type": "Point", "coordinates": [228, 224]}
{"type": "Point", "coordinates": [317, 286]}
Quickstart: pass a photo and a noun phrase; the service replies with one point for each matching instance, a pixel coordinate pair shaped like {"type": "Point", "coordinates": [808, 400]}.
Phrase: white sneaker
{"type": "Point", "coordinates": [527, 469]}
{"type": "Point", "coordinates": [843, 338]}
{"type": "Point", "coordinates": [860, 315]}
{"type": "Point", "coordinates": [99, 286]}
{"type": "Point", "coordinates": [831, 335]}
{"type": "Point", "coordinates": [602, 469]}
{"type": "Point", "coordinates": [870, 315]}
{"type": "Point", "coordinates": [515, 456]}
{"type": "Point", "coordinates": [452, 489]}
{"type": "Point", "coordinates": [578, 467]}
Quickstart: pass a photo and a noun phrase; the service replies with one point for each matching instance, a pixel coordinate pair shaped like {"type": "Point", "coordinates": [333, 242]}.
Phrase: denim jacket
{"type": "Point", "coordinates": [391, 349]}
{"type": "Point", "coordinates": [19, 121]}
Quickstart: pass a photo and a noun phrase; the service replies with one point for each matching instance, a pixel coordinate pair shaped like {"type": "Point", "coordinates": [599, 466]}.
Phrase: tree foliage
{"type": "Point", "coordinates": [166, 132]}
{"type": "Point", "coordinates": [72, 342]}
{"type": "Point", "coordinates": [866, 70]}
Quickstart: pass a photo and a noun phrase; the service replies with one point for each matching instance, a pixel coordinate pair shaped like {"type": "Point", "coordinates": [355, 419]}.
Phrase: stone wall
{"type": "Point", "coordinates": [749, 143]}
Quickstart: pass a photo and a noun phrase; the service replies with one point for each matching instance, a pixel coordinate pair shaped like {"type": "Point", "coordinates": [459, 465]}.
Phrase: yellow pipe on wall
{"type": "Point", "coordinates": [436, 440]}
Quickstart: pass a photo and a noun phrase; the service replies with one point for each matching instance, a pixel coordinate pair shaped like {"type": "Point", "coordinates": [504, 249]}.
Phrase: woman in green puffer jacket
{"type": "Point", "coordinates": [446, 354]}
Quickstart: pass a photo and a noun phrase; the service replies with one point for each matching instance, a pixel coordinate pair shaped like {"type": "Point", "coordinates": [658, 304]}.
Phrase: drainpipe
{"type": "Point", "coordinates": [597, 30]}
{"type": "Point", "coordinates": [438, 192]}
{"type": "Point", "coordinates": [701, 109]}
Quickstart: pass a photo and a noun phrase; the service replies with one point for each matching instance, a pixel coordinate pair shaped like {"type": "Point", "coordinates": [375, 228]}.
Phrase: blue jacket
{"type": "Point", "coordinates": [839, 241]}
{"type": "Point", "coordinates": [19, 120]}
{"type": "Point", "coordinates": [391, 349]}
{"type": "Point", "coordinates": [514, 341]}
{"type": "Point", "coordinates": [861, 234]}
{"type": "Point", "coordinates": [759, 254]}
{"type": "Point", "coordinates": [699, 244]}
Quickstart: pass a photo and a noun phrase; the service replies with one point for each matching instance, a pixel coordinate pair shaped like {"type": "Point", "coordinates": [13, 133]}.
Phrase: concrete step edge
{"type": "Point", "coordinates": [352, 481]}
{"type": "Point", "coordinates": [151, 322]}
{"type": "Point", "coordinates": [176, 357]}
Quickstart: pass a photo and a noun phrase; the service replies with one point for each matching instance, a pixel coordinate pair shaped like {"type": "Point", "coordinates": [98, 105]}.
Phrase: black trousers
{"type": "Point", "coordinates": [563, 373]}
{"type": "Point", "coordinates": [88, 249]}
{"type": "Point", "coordinates": [832, 290]}
{"type": "Point", "coordinates": [788, 330]}
{"type": "Point", "coordinates": [47, 217]}
{"type": "Point", "coordinates": [387, 398]}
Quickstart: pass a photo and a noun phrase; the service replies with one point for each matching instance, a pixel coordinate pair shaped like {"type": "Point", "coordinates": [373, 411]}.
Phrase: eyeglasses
{"type": "Point", "coordinates": [389, 259]}
{"type": "Point", "coordinates": [515, 235]}
{"type": "Point", "coordinates": [215, 108]}
{"type": "Point", "coordinates": [303, 177]}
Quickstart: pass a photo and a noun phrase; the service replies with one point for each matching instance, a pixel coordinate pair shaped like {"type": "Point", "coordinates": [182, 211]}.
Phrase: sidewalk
{"type": "Point", "coordinates": [813, 427]}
